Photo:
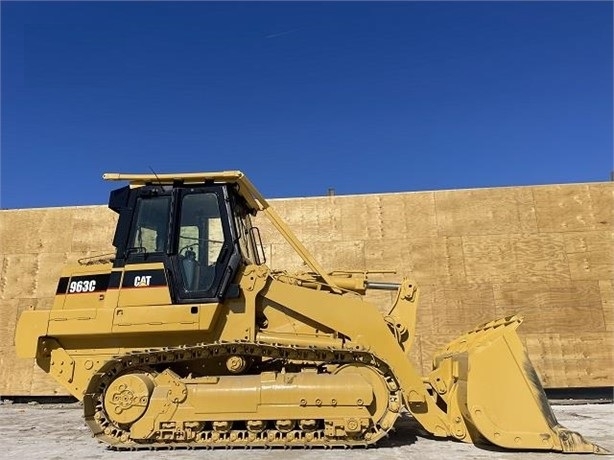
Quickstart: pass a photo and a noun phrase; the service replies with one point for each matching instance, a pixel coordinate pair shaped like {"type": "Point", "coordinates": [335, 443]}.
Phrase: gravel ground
{"type": "Point", "coordinates": [57, 431]}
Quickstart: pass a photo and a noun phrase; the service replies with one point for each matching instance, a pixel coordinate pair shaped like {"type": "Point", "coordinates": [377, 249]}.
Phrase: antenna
{"type": "Point", "coordinates": [157, 178]}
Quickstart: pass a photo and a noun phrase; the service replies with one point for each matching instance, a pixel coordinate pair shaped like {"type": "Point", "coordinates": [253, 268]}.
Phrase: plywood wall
{"type": "Point", "coordinates": [546, 252]}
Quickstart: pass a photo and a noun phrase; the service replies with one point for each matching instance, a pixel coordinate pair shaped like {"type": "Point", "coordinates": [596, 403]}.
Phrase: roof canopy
{"type": "Point", "coordinates": [245, 188]}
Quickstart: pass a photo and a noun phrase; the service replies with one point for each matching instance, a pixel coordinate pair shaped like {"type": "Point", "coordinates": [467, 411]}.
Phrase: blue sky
{"type": "Point", "coordinates": [363, 97]}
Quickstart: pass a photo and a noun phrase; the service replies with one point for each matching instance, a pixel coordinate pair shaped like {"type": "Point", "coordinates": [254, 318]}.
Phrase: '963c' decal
{"type": "Point", "coordinates": [83, 284]}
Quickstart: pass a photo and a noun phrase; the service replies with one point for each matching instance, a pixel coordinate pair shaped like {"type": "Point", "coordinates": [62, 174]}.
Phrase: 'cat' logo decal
{"type": "Point", "coordinates": [142, 281]}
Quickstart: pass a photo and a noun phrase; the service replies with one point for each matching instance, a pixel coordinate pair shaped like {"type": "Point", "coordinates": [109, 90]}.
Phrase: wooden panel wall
{"type": "Point", "coordinates": [546, 252]}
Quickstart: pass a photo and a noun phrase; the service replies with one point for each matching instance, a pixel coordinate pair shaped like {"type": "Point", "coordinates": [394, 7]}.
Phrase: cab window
{"type": "Point", "coordinates": [150, 230]}
{"type": "Point", "coordinates": [201, 238]}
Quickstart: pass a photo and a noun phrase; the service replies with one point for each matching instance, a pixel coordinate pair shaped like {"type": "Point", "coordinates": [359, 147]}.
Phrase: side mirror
{"type": "Point", "coordinates": [260, 254]}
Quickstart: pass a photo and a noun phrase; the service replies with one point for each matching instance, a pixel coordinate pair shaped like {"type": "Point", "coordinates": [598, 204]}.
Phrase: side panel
{"type": "Point", "coordinates": [79, 322]}
{"type": "Point", "coordinates": [144, 284]}
{"type": "Point", "coordinates": [162, 318]}
{"type": "Point", "coordinates": [31, 326]}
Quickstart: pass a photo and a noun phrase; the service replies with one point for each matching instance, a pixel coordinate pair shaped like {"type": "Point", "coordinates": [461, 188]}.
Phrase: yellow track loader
{"type": "Point", "coordinates": [185, 338]}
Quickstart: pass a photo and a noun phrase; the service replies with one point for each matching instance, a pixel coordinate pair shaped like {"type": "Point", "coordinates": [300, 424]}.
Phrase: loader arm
{"type": "Point", "coordinates": [368, 330]}
{"type": "Point", "coordinates": [483, 386]}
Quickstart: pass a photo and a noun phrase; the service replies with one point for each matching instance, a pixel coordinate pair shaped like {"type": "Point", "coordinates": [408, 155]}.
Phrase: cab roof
{"type": "Point", "coordinates": [244, 186]}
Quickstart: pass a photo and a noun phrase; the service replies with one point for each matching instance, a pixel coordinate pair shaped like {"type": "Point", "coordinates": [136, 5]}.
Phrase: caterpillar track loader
{"type": "Point", "coordinates": [185, 338]}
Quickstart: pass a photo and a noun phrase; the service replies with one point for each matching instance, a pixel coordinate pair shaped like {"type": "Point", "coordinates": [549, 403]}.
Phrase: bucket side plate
{"type": "Point", "coordinates": [500, 395]}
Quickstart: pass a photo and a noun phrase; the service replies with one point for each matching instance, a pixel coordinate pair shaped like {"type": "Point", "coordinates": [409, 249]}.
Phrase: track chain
{"type": "Point", "coordinates": [206, 437]}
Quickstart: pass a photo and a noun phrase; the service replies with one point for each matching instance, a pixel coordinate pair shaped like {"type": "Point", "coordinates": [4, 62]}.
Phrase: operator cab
{"type": "Point", "coordinates": [198, 235]}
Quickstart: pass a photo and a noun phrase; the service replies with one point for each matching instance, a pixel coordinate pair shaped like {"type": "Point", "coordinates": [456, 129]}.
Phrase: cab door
{"type": "Point", "coordinates": [145, 301]}
{"type": "Point", "coordinates": [203, 246]}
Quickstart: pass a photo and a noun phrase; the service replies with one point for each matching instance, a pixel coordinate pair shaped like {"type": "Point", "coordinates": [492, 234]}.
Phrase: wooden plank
{"type": "Point", "coordinates": [29, 231]}
{"type": "Point", "coordinates": [492, 211]}
{"type": "Point", "coordinates": [602, 199]}
{"type": "Point", "coordinates": [424, 259]}
{"type": "Point", "coordinates": [455, 266]}
{"type": "Point", "coordinates": [8, 322]}
{"type": "Point", "coordinates": [306, 218]}
{"type": "Point", "coordinates": [552, 307]}
{"type": "Point", "coordinates": [15, 374]}
{"type": "Point", "coordinates": [50, 265]}
{"type": "Point", "coordinates": [450, 310]}
{"type": "Point", "coordinates": [19, 276]}
{"type": "Point", "coordinates": [93, 227]}
{"type": "Point", "coordinates": [564, 208]}
{"type": "Point", "coordinates": [606, 288]}
{"type": "Point", "coordinates": [333, 255]}
{"type": "Point", "coordinates": [590, 254]}
{"type": "Point", "coordinates": [427, 311]}
{"type": "Point", "coordinates": [360, 217]}
{"type": "Point", "coordinates": [407, 216]}
{"type": "Point", "coordinates": [515, 258]}
{"type": "Point", "coordinates": [572, 359]}
{"type": "Point", "coordinates": [282, 257]}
